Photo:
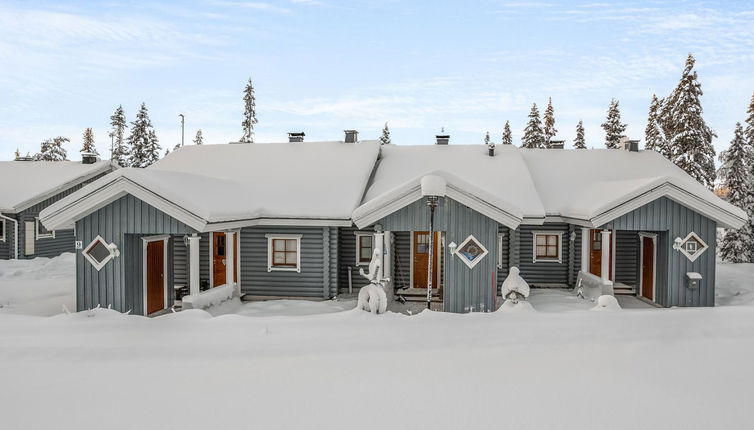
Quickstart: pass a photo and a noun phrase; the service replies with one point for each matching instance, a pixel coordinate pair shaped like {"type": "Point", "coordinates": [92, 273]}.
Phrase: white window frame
{"type": "Point", "coordinates": [270, 238]}
{"type": "Point", "coordinates": [49, 235]}
{"type": "Point", "coordinates": [3, 224]}
{"type": "Point", "coordinates": [359, 235]}
{"type": "Point", "coordinates": [500, 250]}
{"type": "Point", "coordinates": [700, 250]}
{"type": "Point", "coordinates": [476, 261]}
{"type": "Point", "coordinates": [97, 264]}
{"type": "Point", "coordinates": [534, 258]}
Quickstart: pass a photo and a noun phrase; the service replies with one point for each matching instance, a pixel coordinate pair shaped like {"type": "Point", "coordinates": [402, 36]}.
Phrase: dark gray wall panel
{"type": "Point", "coordinates": [543, 272]}
{"type": "Point", "coordinates": [627, 257]}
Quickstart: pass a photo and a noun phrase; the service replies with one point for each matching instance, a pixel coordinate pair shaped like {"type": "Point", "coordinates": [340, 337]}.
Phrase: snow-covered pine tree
{"type": "Point", "coordinates": [749, 139]}
{"type": "Point", "coordinates": [385, 137]}
{"type": "Point", "coordinates": [507, 135]}
{"type": "Point", "coordinates": [734, 177]}
{"type": "Point", "coordinates": [145, 149]}
{"type": "Point", "coordinates": [119, 151]}
{"type": "Point", "coordinates": [17, 154]}
{"type": "Point", "coordinates": [249, 114]}
{"type": "Point", "coordinates": [579, 142]}
{"type": "Point", "coordinates": [487, 139]}
{"type": "Point", "coordinates": [614, 129]}
{"type": "Point", "coordinates": [654, 135]}
{"type": "Point", "coordinates": [533, 135]}
{"type": "Point", "coordinates": [549, 122]}
{"type": "Point", "coordinates": [689, 136]}
{"type": "Point", "coordinates": [199, 139]}
{"type": "Point", "coordinates": [52, 150]}
{"type": "Point", "coordinates": [88, 145]}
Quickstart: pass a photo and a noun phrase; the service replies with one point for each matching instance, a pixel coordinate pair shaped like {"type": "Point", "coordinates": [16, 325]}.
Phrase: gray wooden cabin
{"type": "Point", "coordinates": [657, 243]}
{"type": "Point", "coordinates": [27, 188]}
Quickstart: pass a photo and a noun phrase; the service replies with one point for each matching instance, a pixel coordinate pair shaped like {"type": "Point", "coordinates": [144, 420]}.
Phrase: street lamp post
{"type": "Point", "coordinates": [183, 118]}
{"type": "Point", "coordinates": [432, 203]}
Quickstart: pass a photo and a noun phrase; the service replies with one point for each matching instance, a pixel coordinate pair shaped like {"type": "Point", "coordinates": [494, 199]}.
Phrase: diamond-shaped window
{"type": "Point", "coordinates": [692, 246]}
{"type": "Point", "coordinates": [471, 251]}
{"type": "Point", "coordinates": [98, 253]}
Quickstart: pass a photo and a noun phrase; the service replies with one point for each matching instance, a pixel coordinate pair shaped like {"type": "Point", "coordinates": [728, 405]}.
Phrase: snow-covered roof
{"type": "Point", "coordinates": [26, 183]}
{"type": "Point", "coordinates": [240, 183]}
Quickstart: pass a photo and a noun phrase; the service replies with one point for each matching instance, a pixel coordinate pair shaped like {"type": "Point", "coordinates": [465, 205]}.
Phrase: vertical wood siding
{"type": "Point", "coordinates": [674, 220]}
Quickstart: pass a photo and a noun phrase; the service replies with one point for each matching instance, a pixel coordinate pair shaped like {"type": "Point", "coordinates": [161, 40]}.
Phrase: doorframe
{"type": "Point", "coordinates": [439, 247]}
{"type": "Point", "coordinates": [642, 236]}
{"type": "Point", "coordinates": [165, 238]}
{"type": "Point", "coordinates": [237, 256]}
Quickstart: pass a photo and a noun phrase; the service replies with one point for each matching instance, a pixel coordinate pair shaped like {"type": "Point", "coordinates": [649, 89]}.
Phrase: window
{"type": "Point", "coordinates": [284, 252]}
{"type": "Point", "coordinates": [547, 246]}
{"type": "Point", "coordinates": [2, 230]}
{"type": "Point", "coordinates": [99, 252]}
{"type": "Point", "coordinates": [471, 251]}
{"type": "Point", "coordinates": [692, 246]}
{"type": "Point", "coordinates": [364, 248]}
{"type": "Point", "coordinates": [42, 232]}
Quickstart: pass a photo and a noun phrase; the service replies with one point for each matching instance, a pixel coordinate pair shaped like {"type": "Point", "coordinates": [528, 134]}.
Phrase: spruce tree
{"type": "Point", "coordinates": [52, 150]}
{"type": "Point", "coordinates": [145, 149]}
{"type": "Point", "coordinates": [199, 139]}
{"type": "Point", "coordinates": [735, 180]}
{"type": "Point", "coordinates": [689, 136]}
{"type": "Point", "coordinates": [507, 135]}
{"type": "Point", "coordinates": [487, 139]}
{"type": "Point", "coordinates": [385, 137]}
{"type": "Point", "coordinates": [749, 139]}
{"type": "Point", "coordinates": [579, 142]}
{"type": "Point", "coordinates": [88, 145]}
{"type": "Point", "coordinates": [17, 154]}
{"type": "Point", "coordinates": [533, 135]}
{"type": "Point", "coordinates": [119, 151]}
{"type": "Point", "coordinates": [549, 120]}
{"type": "Point", "coordinates": [249, 114]}
{"type": "Point", "coordinates": [614, 129]}
{"type": "Point", "coordinates": [654, 135]}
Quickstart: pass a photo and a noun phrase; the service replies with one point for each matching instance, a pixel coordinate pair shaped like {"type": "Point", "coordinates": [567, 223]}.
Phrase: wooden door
{"type": "Point", "coordinates": [155, 276]}
{"type": "Point", "coordinates": [421, 259]}
{"type": "Point", "coordinates": [647, 268]}
{"type": "Point", "coordinates": [595, 254]}
{"type": "Point", "coordinates": [219, 251]}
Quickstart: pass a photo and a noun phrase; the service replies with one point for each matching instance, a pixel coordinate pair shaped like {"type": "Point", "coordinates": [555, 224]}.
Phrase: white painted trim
{"type": "Point", "coordinates": [237, 268]}
{"type": "Point", "coordinates": [411, 261]}
{"type": "Point", "coordinates": [287, 222]}
{"type": "Point", "coordinates": [471, 264]}
{"type": "Point", "coordinates": [500, 250]}
{"type": "Point", "coordinates": [536, 233]}
{"type": "Point", "coordinates": [49, 235]}
{"type": "Point", "coordinates": [98, 265]}
{"type": "Point", "coordinates": [699, 252]}
{"type": "Point", "coordinates": [211, 253]}
{"type": "Point", "coordinates": [15, 233]}
{"type": "Point", "coordinates": [144, 241]}
{"type": "Point", "coordinates": [359, 235]}
{"type": "Point", "coordinates": [3, 224]}
{"type": "Point", "coordinates": [613, 252]}
{"type": "Point", "coordinates": [29, 240]}
{"type": "Point", "coordinates": [586, 248]}
{"type": "Point", "coordinates": [640, 293]}
{"type": "Point", "coordinates": [270, 267]}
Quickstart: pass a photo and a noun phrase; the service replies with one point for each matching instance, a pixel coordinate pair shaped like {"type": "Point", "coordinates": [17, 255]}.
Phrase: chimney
{"type": "Point", "coordinates": [442, 139]}
{"type": "Point", "coordinates": [352, 136]}
{"type": "Point", "coordinates": [633, 145]}
{"type": "Point", "coordinates": [297, 136]}
{"type": "Point", "coordinates": [557, 144]}
{"type": "Point", "coordinates": [88, 158]}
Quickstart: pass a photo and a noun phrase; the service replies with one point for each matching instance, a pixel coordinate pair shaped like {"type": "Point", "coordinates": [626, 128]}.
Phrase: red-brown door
{"type": "Point", "coordinates": [595, 254]}
{"type": "Point", "coordinates": [421, 259]}
{"type": "Point", "coordinates": [155, 276]}
{"type": "Point", "coordinates": [647, 268]}
{"type": "Point", "coordinates": [219, 251]}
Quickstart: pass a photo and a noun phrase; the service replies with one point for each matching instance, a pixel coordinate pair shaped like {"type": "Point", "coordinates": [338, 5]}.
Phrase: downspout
{"type": "Point", "coordinates": [15, 237]}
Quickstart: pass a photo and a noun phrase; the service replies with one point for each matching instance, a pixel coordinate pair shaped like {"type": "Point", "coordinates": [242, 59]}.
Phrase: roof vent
{"type": "Point", "coordinates": [633, 145]}
{"type": "Point", "coordinates": [352, 136]}
{"type": "Point", "coordinates": [297, 136]}
{"type": "Point", "coordinates": [557, 144]}
{"type": "Point", "coordinates": [89, 158]}
{"type": "Point", "coordinates": [442, 139]}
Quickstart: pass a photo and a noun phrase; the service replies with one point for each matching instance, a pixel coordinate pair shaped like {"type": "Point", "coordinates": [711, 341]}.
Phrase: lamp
{"type": "Point", "coordinates": [677, 243]}
{"type": "Point", "coordinates": [452, 247]}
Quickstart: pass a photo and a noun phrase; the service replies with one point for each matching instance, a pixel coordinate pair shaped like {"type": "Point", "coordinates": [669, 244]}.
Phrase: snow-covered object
{"type": "Point", "coordinates": [211, 297]}
{"type": "Point", "coordinates": [516, 305]}
{"type": "Point", "coordinates": [514, 286]}
{"type": "Point", "coordinates": [590, 286]}
{"type": "Point", "coordinates": [27, 182]}
{"type": "Point", "coordinates": [607, 303]}
{"type": "Point", "coordinates": [374, 266]}
{"type": "Point", "coordinates": [433, 185]}
{"type": "Point", "coordinates": [372, 298]}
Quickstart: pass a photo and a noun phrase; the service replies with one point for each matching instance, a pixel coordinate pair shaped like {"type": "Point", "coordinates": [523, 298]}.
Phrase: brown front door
{"type": "Point", "coordinates": [155, 276]}
{"type": "Point", "coordinates": [421, 259]}
{"type": "Point", "coordinates": [595, 254]}
{"type": "Point", "coordinates": [647, 268]}
{"type": "Point", "coordinates": [219, 251]}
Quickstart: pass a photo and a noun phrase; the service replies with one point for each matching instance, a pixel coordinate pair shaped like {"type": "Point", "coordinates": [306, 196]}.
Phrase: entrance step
{"type": "Point", "coordinates": [624, 291]}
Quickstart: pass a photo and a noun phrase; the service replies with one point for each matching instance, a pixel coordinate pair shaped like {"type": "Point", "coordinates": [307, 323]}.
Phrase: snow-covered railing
{"type": "Point", "coordinates": [212, 297]}
{"type": "Point", "coordinates": [592, 286]}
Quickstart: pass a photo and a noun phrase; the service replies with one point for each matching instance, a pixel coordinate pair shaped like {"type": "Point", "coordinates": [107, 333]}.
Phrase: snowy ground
{"type": "Point", "coordinates": [313, 365]}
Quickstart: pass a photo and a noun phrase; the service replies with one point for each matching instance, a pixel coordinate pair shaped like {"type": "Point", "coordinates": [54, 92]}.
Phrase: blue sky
{"type": "Point", "coordinates": [322, 66]}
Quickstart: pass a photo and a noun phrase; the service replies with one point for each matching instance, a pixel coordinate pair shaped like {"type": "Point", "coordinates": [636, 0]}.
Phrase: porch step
{"type": "Point", "coordinates": [624, 290]}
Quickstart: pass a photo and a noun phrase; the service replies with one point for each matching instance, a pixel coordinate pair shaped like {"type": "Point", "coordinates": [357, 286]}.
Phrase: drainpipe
{"type": "Point", "coordinates": [15, 237]}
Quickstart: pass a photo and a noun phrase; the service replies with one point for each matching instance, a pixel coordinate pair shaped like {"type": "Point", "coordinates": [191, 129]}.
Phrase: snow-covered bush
{"type": "Point", "coordinates": [515, 287]}
{"type": "Point", "coordinates": [211, 297]}
{"type": "Point", "coordinates": [609, 303]}
{"type": "Point", "coordinates": [372, 298]}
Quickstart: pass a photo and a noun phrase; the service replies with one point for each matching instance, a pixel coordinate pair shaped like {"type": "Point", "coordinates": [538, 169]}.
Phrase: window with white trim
{"type": "Point", "coordinates": [2, 230]}
{"type": "Point", "coordinates": [364, 248]}
{"type": "Point", "coordinates": [42, 232]}
{"type": "Point", "coordinates": [284, 252]}
{"type": "Point", "coordinates": [692, 246]}
{"type": "Point", "coordinates": [471, 251]}
{"type": "Point", "coordinates": [99, 252]}
{"type": "Point", "coordinates": [547, 246]}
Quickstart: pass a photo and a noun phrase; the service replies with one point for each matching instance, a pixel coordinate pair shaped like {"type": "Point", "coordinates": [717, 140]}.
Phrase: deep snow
{"type": "Point", "coordinates": [292, 365]}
